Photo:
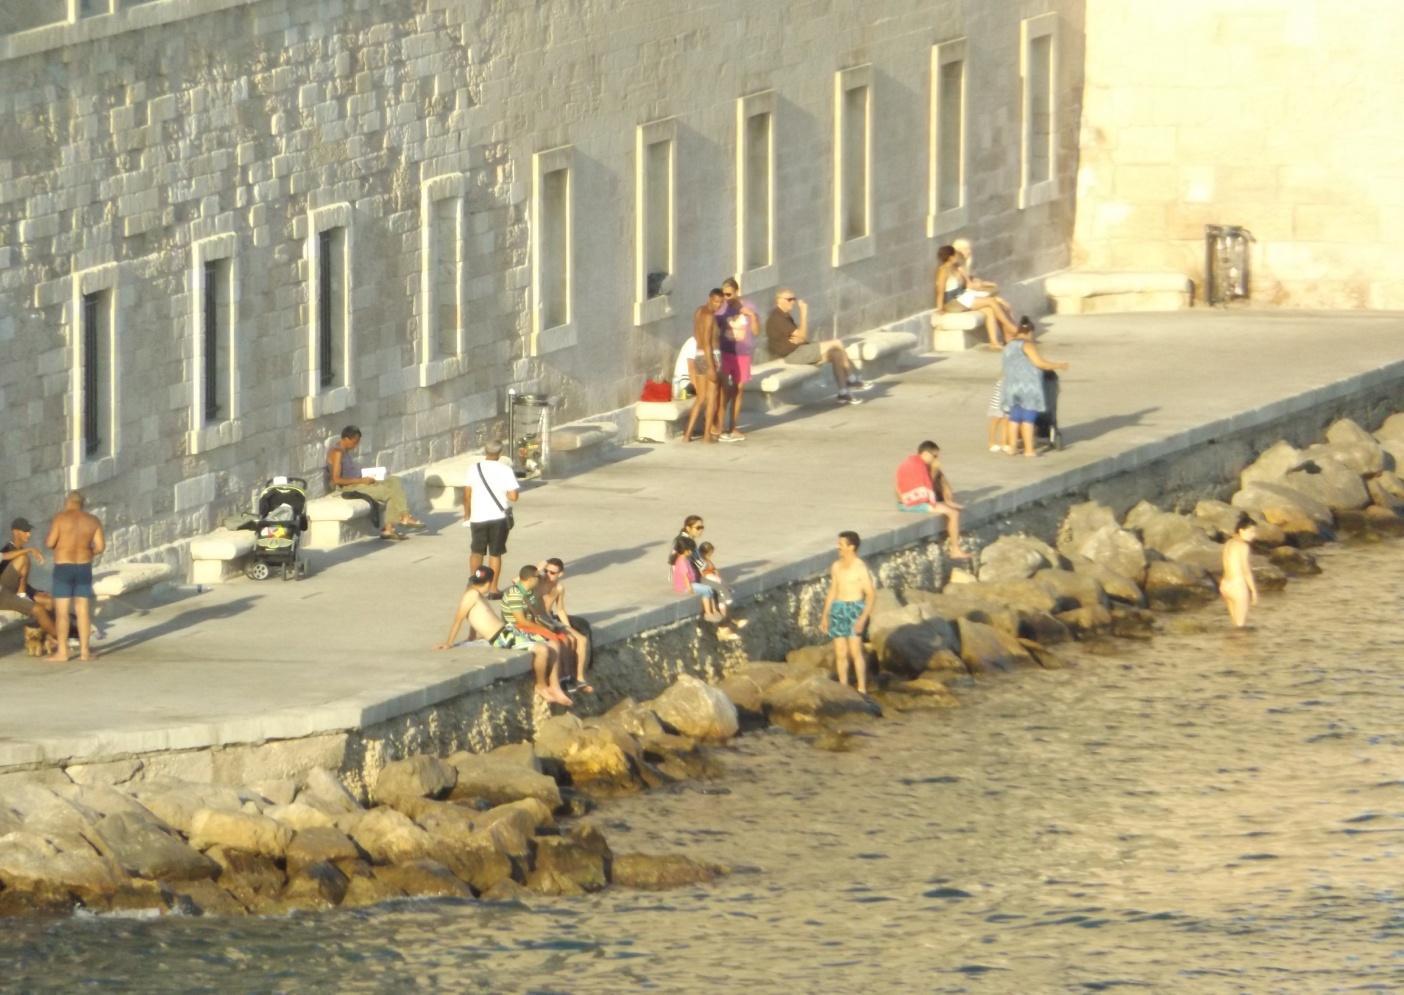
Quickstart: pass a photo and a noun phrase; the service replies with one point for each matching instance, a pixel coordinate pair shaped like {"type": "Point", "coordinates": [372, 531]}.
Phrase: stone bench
{"type": "Point", "coordinates": [575, 447]}
{"type": "Point", "coordinates": [123, 580]}
{"type": "Point", "coordinates": [659, 421]}
{"type": "Point", "coordinates": [1105, 291]}
{"type": "Point", "coordinates": [444, 481]}
{"type": "Point", "coordinates": [775, 383]}
{"type": "Point", "coordinates": [334, 520]}
{"type": "Point", "coordinates": [956, 331]}
{"type": "Point", "coordinates": [879, 352]}
{"type": "Point", "coordinates": [217, 556]}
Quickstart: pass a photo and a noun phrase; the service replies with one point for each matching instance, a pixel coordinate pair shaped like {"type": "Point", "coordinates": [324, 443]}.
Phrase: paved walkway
{"type": "Point", "coordinates": [350, 645]}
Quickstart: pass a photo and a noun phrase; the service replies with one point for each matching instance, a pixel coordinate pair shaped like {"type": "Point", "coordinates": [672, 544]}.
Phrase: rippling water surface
{"type": "Point", "coordinates": [1213, 811]}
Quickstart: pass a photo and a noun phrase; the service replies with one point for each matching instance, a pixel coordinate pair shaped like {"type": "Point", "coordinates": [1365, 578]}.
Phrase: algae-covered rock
{"type": "Point", "coordinates": [315, 885]}
{"type": "Point", "coordinates": [253, 879]}
{"type": "Point", "coordinates": [910, 649]}
{"type": "Point", "coordinates": [1132, 623]}
{"type": "Point", "coordinates": [1088, 621]}
{"type": "Point", "coordinates": [1041, 627]}
{"type": "Point", "coordinates": [650, 872]}
{"type": "Point", "coordinates": [697, 709]}
{"type": "Point", "coordinates": [1268, 575]}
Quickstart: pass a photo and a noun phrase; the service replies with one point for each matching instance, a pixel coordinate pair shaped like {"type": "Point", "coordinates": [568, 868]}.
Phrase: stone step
{"type": "Point", "coordinates": [1111, 291]}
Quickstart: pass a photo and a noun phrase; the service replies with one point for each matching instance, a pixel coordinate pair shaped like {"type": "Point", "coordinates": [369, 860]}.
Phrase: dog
{"type": "Point", "coordinates": [33, 640]}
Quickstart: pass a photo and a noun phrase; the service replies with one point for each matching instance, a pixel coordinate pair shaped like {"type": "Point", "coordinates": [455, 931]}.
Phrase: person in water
{"type": "Point", "coordinates": [1238, 588]}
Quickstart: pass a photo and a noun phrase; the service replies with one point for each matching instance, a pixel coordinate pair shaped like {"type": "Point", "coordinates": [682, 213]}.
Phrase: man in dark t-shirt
{"type": "Point", "coordinates": [787, 335]}
{"type": "Point", "coordinates": [16, 594]}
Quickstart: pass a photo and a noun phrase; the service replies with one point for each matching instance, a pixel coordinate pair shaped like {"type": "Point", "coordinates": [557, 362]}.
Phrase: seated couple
{"type": "Point", "coordinates": [345, 475]}
{"type": "Point", "coordinates": [535, 619]}
{"type": "Point", "coordinates": [957, 290]}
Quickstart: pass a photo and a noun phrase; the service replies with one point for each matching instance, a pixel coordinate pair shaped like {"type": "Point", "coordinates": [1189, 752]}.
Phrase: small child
{"type": "Point", "coordinates": [998, 419]}
{"type": "Point", "coordinates": [712, 575]}
{"type": "Point", "coordinates": [686, 579]}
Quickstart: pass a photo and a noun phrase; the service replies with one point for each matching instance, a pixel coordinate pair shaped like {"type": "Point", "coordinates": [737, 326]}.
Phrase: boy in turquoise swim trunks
{"type": "Point", "coordinates": [848, 608]}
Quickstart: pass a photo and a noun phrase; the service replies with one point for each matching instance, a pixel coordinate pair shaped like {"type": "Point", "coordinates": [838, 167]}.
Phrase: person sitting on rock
{"type": "Point", "coordinates": [344, 474]}
{"type": "Point", "coordinates": [483, 623]}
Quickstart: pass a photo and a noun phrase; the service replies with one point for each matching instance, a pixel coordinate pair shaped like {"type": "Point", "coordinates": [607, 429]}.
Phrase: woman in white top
{"type": "Point", "coordinates": [953, 293]}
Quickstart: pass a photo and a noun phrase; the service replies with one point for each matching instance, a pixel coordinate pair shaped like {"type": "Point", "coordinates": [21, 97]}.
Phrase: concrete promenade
{"type": "Point", "coordinates": [350, 646]}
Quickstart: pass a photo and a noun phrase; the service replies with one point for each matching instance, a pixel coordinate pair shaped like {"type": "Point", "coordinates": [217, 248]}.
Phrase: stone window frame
{"type": "Point", "coordinates": [951, 219]}
{"type": "Point", "coordinates": [759, 277]}
{"type": "Point", "coordinates": [851, 250]}
{"type": "Point", "coordinates": [650, 309]}
{"type": "Point", "coordinates": [203, 436]}
{"type": "Point", "coordinates": [319, 400]}
{"type": "Point", "coordinates": [563, 336]}
{"type": "Point", "coordinates": [434, 368]}
{"type": "Point", "coordinates": [83, 470]}
{"type": "Point", "coordinates": [1031, 29]}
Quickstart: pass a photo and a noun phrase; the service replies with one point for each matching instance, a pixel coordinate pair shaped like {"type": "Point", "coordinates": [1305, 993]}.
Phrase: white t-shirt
{"type": "Point", "coordinates": [501, 479]}
{"type": "Point", "coordinates": [681, 377]}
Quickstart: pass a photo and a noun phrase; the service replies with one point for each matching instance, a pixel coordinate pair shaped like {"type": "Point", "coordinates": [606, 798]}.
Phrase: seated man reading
{"type": "Point", "coordinates": [346, 475]}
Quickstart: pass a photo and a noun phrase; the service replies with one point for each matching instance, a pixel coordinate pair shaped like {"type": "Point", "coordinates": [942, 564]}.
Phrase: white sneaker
{"type": "Point", "coordinates": [857, 384]}
{"type": "Point", "coordinates": [847, 398]}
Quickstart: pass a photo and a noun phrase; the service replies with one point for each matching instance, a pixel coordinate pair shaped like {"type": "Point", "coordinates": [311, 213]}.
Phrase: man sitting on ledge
{"type": "Point", "coordinates": [345, 474]}
{"type": "Point", "coordinates": [16, 594]}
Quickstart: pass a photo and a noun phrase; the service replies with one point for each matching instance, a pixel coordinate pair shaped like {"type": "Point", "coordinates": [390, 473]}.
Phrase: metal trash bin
{"type": "Point", "coordinates": [529, 433]}
{"type": "Point", "coordinates": [1227, 261]}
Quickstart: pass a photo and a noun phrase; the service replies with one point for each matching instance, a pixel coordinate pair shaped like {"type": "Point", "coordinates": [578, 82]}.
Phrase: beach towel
{"type": "Point", "coordinates": [914, 483]}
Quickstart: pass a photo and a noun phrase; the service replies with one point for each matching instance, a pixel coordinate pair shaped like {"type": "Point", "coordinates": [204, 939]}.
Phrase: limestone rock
{"type": "Point", "coordinates": [1163, 531]}
{"type": "Point", "coordinates": [388, 836]}
{"type": "Point", "coordinates": [569, 865]}
{"type": "Point", "coordinates": [1303, 519]}
{"type": "Point", "coordinates": [985, 648]}
{"type": "Point", "coordinates": [323, 789]}
{"type": "Point", "coordinates": [454, 824]}
{"type": "Point", "coordinates": [1116, 549]}
{"type": "Point", "coordinates": [931, 690]}
{"type": "Point", "coordinates": [422, 877]}
{"type": "Point", "coordinates": [176, 802]}
{"type": "Point", "coordinates": [909, 649]}
{"type": "Point", "coordinates": [1081, 522]}
{"type": "Point", "coordinates": [697, 709]}
{"type": "Point", "coordinates": [1325, 476]}
{"type": "Point", "coordinates": [299, 816]}
{"type": "Point", "coordinates": [1087, 621]}
{"type": "Point", "coordinates": [315, 885]}
{"type": "Point", "coordinates": [968, 602]}
{"type": "Point", "coordinates": [588, 752]}
{"type": "Point", "coordinates": [109, 772]}
{"type": "Point", "coordinates": [42, 810]}
{"type": "Point", "coordinates": [1386, 490]}
{"type": "Point", "coordinates": [649, 872]}
{"type": "Point", "coordinates": [415, 777]}
{"type": "Point", "coordinates": [498, 780]}
{"type": "Point", "coordinates": [747, 695]}
{"type": "Point", "coordinates": [521, 754]}
{"type": "Point", "coordinates": [820, 657]}
{"type": "Point", "coordinates": [815, 698]}
{"type": "Point", "coordinates": [483, 867]}
{"type": "Point", "coordinates": [1392, 428]}
{"type": "Point", "coordinates": [278, 792]}
{"type": "Point", "coordinates": [1070, 589]}
{"type": "Point", "coordinates": [1272, 466]}
{"type": "Point", "coordinates": [1201, 552]}
{"type": "Point", "coordinates": [320, 843]}
{"type": "Point", "coordinates": [1356, 448]}
{"type": "Point", "coordinates": [1217, 518]}
{"type": "Point", "coordinates": [1024, 595]}
{"type": "Point", "coordinates": [1172, 586]}
{"type": "Point", "coordinates": [1117, 587]}
{"type": "Point", "coordinates": [253, 879]}
{"type": "Point", "coordinates": [1043, 628]}
{"type": "Point", "coordinates": [1015, 557]}
{"type": "Point", "coordinates": [29, 862]}
{"type": "Point", "coordinates": [143, 849]}
{"type": "Point", "coordinates": [1294, 562]}
{"type": "Point", "coordinates": [239, 831]}
{"type": "Point", "coordinates": [947, 665]}
{"type": "Point", "coordinates": [528, 815]}
{"type": "Point", "coordinates": [206, 898]}
{"type": "Point", "coordinates": [371, 889]}
{"type": "Point", "coordinates": [1384, 520]}
{"type": "Point", "coordinates": [507, 891]}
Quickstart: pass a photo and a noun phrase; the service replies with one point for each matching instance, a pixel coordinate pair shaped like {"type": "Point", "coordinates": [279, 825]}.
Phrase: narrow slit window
{"type": "Point", "coordinates": [214, 326]}
{"type": "Point", "coordinates": [950, 136]}
{"type": "Point", "coordinates": [855, 162]}
{"type": "Point", "coordinates": [658, 196]}
{"type": "Point", "coordinates": [555, 248]}
{"type": "Point", "coordinates": [97, 372]}
{"type": "Point", "coordinates": [1040, 109]}
{"type": "Point", "coordinates": [331, 306]}
{"type": "Point", "coordinates": [756, 166]}
{"type": "Point", "coordinates": [446, 264]}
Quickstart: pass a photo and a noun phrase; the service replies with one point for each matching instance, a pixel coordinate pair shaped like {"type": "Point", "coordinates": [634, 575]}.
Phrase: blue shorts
{"type": "Point", "coordinates": [73, 580]}
{"type": "Point", "coordinates": [842, 617]}
{"type": "Point", "coordinates": [1021, 415]}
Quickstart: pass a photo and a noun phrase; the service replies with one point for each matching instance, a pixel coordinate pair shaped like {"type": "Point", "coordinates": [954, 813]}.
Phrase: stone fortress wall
{"type": "Point", "coordinates": [1279, 115]}
{"type": "Point", "coordinates": [168, 167]}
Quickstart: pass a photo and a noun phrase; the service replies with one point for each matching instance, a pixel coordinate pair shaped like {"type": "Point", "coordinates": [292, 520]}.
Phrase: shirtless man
{"type": "Point", "coordinates": [847, 609]}
{"type": "Point", "coordinates": [483, 623]}
{"type": "Point", "coordinates": [75, 537]}
{"type": "Point", "coordinates": [702, 369]}
{"type": "Point", "coordinates": [551, 592]}
{"type": "Point", "coordinates": [1238, 588]}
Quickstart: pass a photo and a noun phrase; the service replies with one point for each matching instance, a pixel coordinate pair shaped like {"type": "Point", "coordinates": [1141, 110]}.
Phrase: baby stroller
{"type": "Point", "coordinates": [1046, 427]}
{"type": "Point", "coordinates": [282, 518]}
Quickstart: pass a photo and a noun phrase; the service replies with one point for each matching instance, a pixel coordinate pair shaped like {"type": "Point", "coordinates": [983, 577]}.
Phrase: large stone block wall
{"type": "Point", "coordinates": [1273, 114]}
{"type": "Point", "coordinates": [132, 137]}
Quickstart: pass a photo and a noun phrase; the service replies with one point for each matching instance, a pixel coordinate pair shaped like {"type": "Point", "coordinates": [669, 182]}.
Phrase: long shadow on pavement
{"type": "Point", "coordinates": [182, 621]}
{"type": "Point", "coordinates": [1089, 430]}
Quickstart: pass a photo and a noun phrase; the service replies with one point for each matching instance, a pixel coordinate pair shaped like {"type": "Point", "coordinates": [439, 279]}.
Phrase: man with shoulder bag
{"type": "Point", "coordinates": [487, 510]}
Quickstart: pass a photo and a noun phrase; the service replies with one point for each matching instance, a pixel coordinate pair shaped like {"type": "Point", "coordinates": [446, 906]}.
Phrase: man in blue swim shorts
{"type": "Point", "coordinates": [848, 608]}
{"type": "Point", "coordinates": [75, 537]}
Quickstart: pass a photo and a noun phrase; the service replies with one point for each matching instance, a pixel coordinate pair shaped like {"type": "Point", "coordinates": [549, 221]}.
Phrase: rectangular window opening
{"type": "Point", "coordinates": [1040, 109]}
{"type": "Point", "coordinates": [658, 197]}
{"type": "Point", "coordinates": [447, 261]}
{"type": "Point", "coordinates": [97, 372]}
{"type": "Point", "coordinates": [757, 183]}
{"type": "Point", "coordinates": [950, 136]}
{"type": "Point", "coordinates": [331, 305]}
{"type": "Point", "coordinates": [214, 328]}
{"type": "Point", "coordinates": [555, 248]}
{"type": "Point", "coordinates": [854, 145]}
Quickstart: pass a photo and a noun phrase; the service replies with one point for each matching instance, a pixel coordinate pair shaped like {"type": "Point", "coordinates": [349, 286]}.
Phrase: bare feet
{"type": "Point", "coordinates": [56, 658]}
{"type": "Point", "coordinates": [554, 696]}
{"type": "Point", "coordinates": [87, 657]}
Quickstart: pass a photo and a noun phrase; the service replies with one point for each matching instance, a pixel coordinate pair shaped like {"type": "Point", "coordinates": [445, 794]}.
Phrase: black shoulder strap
{"type": "Point", "coordinates": [483, 477]}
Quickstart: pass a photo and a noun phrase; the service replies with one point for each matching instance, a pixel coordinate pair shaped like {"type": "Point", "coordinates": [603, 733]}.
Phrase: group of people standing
{"type": "Point", "coordinates": [715, 362]}
{"type": "Point", "coordinates": [75, 538]}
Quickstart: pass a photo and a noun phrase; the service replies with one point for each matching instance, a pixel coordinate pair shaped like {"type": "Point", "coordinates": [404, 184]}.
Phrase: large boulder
{"type": "Point", "coordinates": [589, 753]}
{"type": "Point", "coordinates": [1303, 520]}
{"type": "Point", "coordinates": [1081, 522]}
{"type": "Point", "coordinates": [967, 601]}
{"type": "Point", "coordinates": [1272, 466]}
{"type": "Point", "coordinates": [1201, 552]}
{"type": "Point", "coordinates": [254, 879]}
{"type": "Point", "coordinates": [1162, 531]}
{"type": "Point", "coordinates": [1115, 548]}
{"type": "Point", "coordinates": [818, 657]}
{"type": "Point", "coordinates": [1087, 621]}
{"type": "Point", "coordinates": [1386, 490]}
{"type": "Point", "coordinates": [1384, 521]}
{"type": "Point", "coordinates": [1356, 448]}
{"type": "Point", "coordinates": [815, 698]}
{"type": "Point", "coordinates": [1014, 557]}
{"type": "Point", "coordinates": [299, 816]}
{"type": "Point", "coordinates": [412, 778]}
{"type": "Point", "coordinates": [40, 809]}
{"type": "Point", "coordinates": [649, 872]}
{"type": "Point", "coordinates": [388, 836]}
{"type": "Point", "coordinates": [1172, 586]}
{"type": "Point", "coordinates": [1116, 586]}
{"type": "Point", "coordinates": [1294, 562]}
{"type": "Point", "coordinates": [910, 648]}
{"type": "Point", "coordinates": [321, 788]}
{"type": "Point", "coordinates": [422, 877]}
{"type": "Point", "coordinates": [1326, 476]}
{"type": "Point", "coordinates": [320, 843]}
{"type": "Point", "coordinates": [985, 648]}
{"type": "Point", "coordinates": [1218, 518]}
{"type": "Point", "coordinates": [318, 885]}
{"type": "Point", "coordinates": [1025, 595]}
{"type": "Point", "coordinates": [697, 709]}
{"type": "Point", "coordinates": [143, 848]}
{"type": "Point", "coordinates": [240, 831]}
{"type": "Point", "coordinates": [1069, 589]}
{"type": "Point", "coordinates": [570, 865]}
{"type": "Point", "coordinates": [498, 780]}
{"type": "Point", "coordinates": [176, 802]}
{"type": "Point", "coordinates": [30, 862]}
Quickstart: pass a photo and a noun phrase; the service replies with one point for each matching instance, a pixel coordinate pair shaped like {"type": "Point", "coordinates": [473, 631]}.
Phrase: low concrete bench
{"type": "Point", "coordinates": [444, 481]}
{"type": "Point", "coordinates": [334, 520]}
{"type": "Point", "coordinates": [659, 421]}
{"type": "Point", "coordinates": [1103, 291]}
{"type": "Point", "coordinates": [217, 556]}
{"type": "Point", "coordinates": [956, 331]}
{"type": "Point", "coordinates": [879, 352]}
{"type": "Point", "coordinates": [577, 446]}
